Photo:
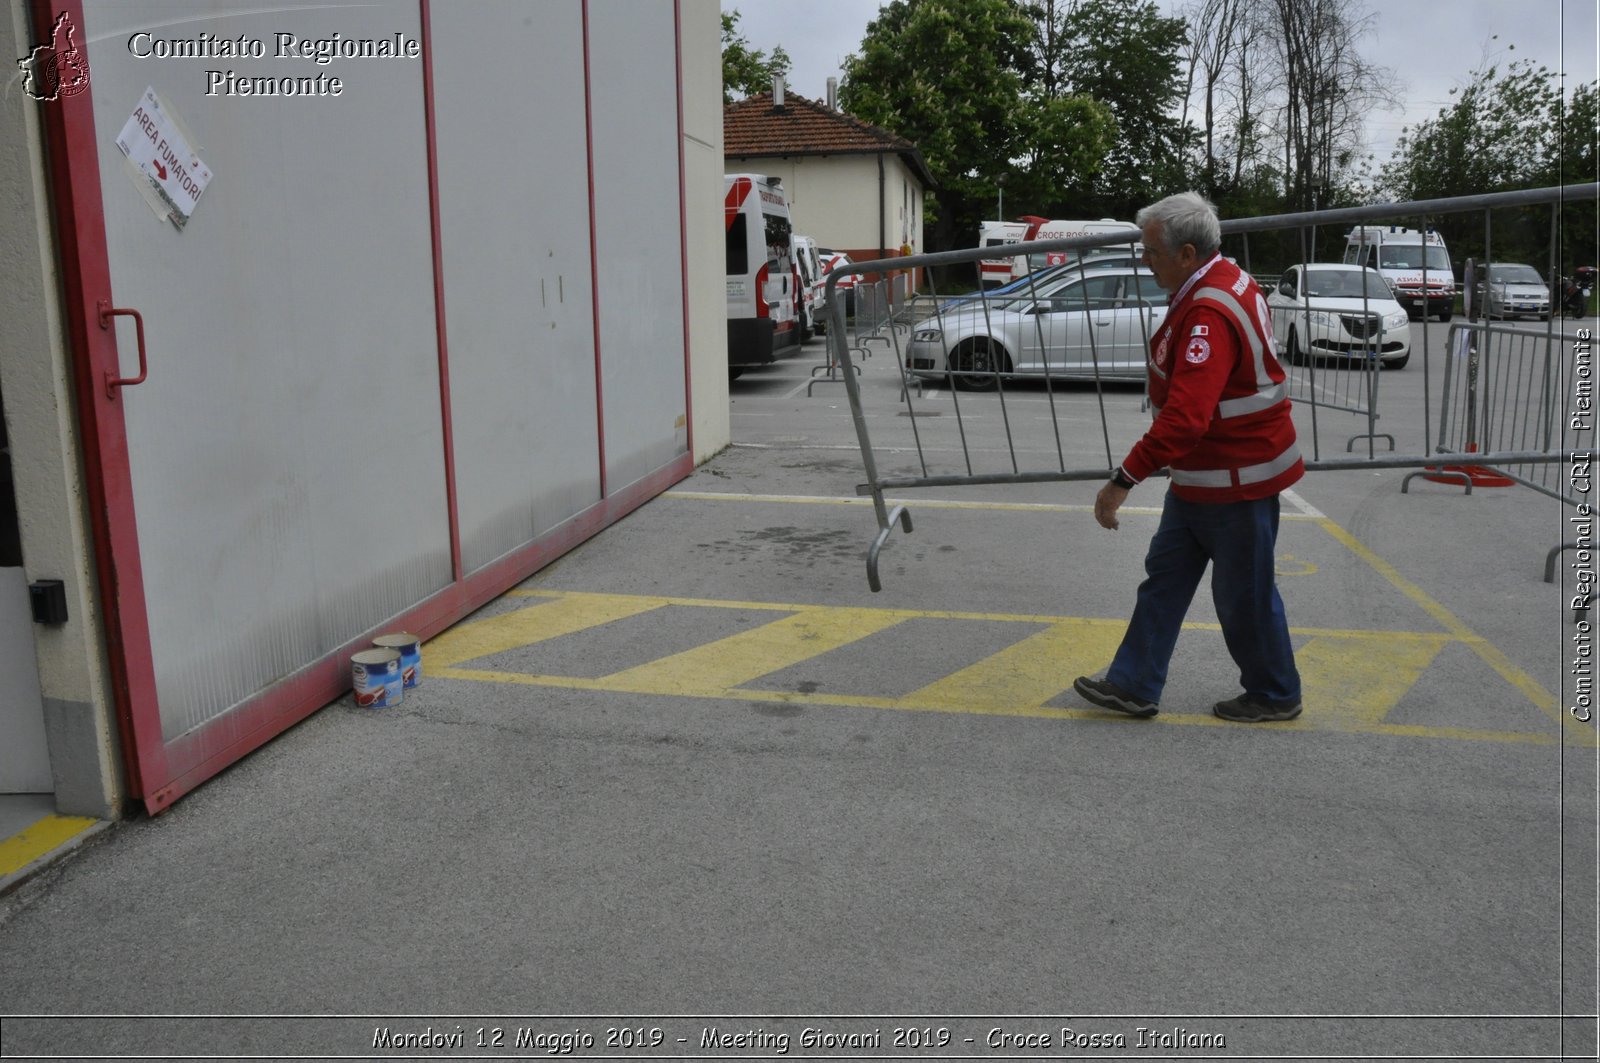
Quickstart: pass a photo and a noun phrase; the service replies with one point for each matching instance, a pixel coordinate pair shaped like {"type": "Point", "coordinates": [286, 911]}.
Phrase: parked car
{"type": "Point", "coordinates": [1513, 290]}
{"type": "Point", "coordinates": [832, 260]}
{"type": "Point", "coordinates": [1036, 280]}
{"type": "Point", "coordinates": [1079, 326]}
{"type": "Point", "coordinates": [810, 265]}
{"type": "Point", "coordinates": [1327, 309]}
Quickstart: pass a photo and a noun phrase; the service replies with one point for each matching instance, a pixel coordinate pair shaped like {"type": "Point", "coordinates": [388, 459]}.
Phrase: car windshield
{"type": "Point", "coordinates": [1515, 274]}
{"type": "Point", "coordinates": [1025, 284]}
{"type": "Point", "coordinates": [1344, 284]}
{"type": "Point", "coordinates": [1113, 256]}
{"type": "Point", "coordinates": [1023, 289]}
{"type": "Point", "coordinates": [1410, 256]}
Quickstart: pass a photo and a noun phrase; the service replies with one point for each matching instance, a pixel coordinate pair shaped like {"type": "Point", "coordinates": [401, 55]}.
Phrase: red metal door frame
{"type": "Point", "coordinates": [159, 771]}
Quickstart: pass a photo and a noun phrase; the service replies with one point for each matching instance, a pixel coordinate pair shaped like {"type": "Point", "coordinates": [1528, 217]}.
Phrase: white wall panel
{"type": "Point", "coordinates": [633, 87]}
{"type": "Point", "coordinates": [286, 451]}
{"type": "Point", "coordinates": [703, 170]}
{"type": "Point", "coordinates": [514, 214]}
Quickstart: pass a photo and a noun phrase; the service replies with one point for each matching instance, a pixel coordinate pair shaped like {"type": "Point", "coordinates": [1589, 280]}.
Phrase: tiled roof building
{"type": "Point", "coordinates": [852, 186]}
{"type": "Point", "coordinates": [753, 129]}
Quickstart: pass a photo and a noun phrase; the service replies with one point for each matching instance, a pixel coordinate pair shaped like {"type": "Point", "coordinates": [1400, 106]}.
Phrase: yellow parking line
{"type": "Point", "coordinates": [48, 834]}
{"type": "Point", "coordinates": [717, 667]}
{"type": "Point", "coordinates": [1119, 624]}
{"type": "Point", "coordinates": [1318, 720]}
{"type": "Point", "coordinates": [1027, 673]}
{"type": "Point", "coordinates": [1489, 653]}
{"type": "Point", "coordinates": [1363, 681]}
{"type": "Point", "coordinates": [563, 615]}
{"type": "Point", "coordinates": [1353, 678]}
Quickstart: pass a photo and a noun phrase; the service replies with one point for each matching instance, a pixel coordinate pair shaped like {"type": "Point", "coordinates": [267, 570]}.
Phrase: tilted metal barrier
{"type": "Point", "coordinates": [1503, 408]}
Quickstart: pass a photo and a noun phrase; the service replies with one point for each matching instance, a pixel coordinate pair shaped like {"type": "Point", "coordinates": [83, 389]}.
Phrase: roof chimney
{"type": "Point", "coordinates": [777, 93]}
{"type": "Point", "coordinates": [833, 94]}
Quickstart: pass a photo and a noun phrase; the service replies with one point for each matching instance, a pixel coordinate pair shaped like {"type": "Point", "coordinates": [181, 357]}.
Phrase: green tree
{"type": "Point", "coordinates": [1576, 162]}
{"type": "Point", "coordinates": [1498, 135]}
{"type": "Point", "coordinates": [1507, 129]}
{"type": "Point", "coordinates": [1126, 56]}
{"type": "Point", "coordinates": [747, 71]}
{"type": "Point", "coordinates": [958, 79]}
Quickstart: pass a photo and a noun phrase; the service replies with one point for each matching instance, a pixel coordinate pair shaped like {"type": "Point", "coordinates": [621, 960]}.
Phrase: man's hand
{"type": "Point", "coordinates": [1106, 504]}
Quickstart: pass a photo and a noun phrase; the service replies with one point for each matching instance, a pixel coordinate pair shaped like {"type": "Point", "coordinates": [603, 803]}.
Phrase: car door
{"type": "Point", "coordinates": [1283, 303]}
{"type": "Point", "coordinates": [1073, 325]}
{"type": "Point", "coordinates": [1141, 307]}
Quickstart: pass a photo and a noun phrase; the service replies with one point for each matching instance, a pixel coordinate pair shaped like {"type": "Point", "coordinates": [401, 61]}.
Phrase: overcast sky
{"type": "Point", "coordinates": [1431, 46]}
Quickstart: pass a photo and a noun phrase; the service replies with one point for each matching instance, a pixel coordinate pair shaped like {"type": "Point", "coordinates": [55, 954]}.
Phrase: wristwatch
{"type": "Point", "coordinates": [1123, 480]}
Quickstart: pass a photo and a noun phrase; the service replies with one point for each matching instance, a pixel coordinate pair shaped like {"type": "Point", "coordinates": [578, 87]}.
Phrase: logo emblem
{"type": "Point", "coordinates": [58, 70]}
{"type": "Point", "coordinates": [1161, 352]}
{"type": "Point", "coordinates": [1197, 351]}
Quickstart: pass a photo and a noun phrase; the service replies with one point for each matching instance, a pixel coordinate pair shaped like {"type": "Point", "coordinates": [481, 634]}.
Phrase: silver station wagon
{"type": "Point", "coordinates": [1081, 325]}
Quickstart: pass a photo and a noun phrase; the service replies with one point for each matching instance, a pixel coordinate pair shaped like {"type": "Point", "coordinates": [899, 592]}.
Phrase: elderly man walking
{"type": "Point", "coordinates": [1222, 427]}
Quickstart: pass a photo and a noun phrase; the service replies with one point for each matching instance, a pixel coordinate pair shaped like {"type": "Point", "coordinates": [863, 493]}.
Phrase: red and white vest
{"type": "Point", "coordinates": [1222, 421]}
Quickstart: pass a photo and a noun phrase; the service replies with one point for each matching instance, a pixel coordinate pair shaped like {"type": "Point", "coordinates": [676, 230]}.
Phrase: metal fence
{"type": "Point", "coordinates": [1503, 396]}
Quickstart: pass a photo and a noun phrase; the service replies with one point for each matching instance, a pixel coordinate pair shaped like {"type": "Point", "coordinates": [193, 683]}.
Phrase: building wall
{"type": "Point", "coordinates": [679, 282]}
{"type": "Point", "coordinates": [47, 461]}
{"type": "Point", "coordinates": [702, 171]}
{"type": "Point", "coordinates": [835, 199]}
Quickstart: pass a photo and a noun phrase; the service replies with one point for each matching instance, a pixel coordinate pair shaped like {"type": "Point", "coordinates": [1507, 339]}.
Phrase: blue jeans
{"type": "Point", "coordinates": [1238, 539]}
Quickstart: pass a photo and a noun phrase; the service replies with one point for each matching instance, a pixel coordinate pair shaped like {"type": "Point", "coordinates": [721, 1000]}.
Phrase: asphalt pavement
{"type": "Point", "coordinates": [694, 789]}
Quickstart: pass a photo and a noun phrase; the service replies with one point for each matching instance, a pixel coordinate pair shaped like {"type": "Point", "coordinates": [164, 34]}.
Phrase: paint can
{"type": "Point", "coordinates": [410, 647]}
{"type": "Point", "coordinates": [376, 677]}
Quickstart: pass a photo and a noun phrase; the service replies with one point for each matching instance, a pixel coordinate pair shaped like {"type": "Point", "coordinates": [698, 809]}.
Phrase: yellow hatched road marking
{"type": "Point", "coordinates": [717, 667]}
{"type": "Point", "coordinates": [1028, 673]}
{"type": "Point", "coordinates": [1363, 679]}
{"type": "Point", "coordinates": [949, 614]}
{"type": "Point", "coordinates": [1318, 720]}
{"type": "Point", "coordinates": [50, 833]}
{"type": "Point", "coordinates": [1352, 679]}
{"type": "Point", "coordinates": [563, 615]}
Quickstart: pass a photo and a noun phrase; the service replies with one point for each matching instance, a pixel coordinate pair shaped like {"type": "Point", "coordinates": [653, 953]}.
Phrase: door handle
{"type": "Point", "coordinates": [113, 382]}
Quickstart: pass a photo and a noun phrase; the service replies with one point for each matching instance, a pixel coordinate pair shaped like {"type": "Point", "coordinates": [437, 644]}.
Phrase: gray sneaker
{"type": "Point", "coordinates": [1108, 695]}
{"type": "Point", "coordinates": [1245, 709]}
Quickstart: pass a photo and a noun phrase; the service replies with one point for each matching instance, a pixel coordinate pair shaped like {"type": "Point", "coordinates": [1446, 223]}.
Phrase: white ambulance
{"type": "Point", "coordinates": [811, 287]}
{"type": "Point", "coordinates": [763, 278]}
{"type": "Point", "coordinates": [996, 271]}
{"type": "Point", "coordinates": [1050, 229]}
{"type": "Point", "coordinates": [1416, 266]}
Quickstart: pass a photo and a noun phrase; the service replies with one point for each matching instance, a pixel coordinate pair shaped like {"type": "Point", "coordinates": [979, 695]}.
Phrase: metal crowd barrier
{"type": "Point", "coordinates": [1510, 389]}
{"type": "Point", "coordinates": [1504, 412]}
{"type": "Point", "coordinates": [868, 321]}
{"type": "Point", "coordinates": [872, 312]}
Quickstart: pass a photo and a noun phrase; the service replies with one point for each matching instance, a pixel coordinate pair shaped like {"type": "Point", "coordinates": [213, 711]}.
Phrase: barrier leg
{"type": "Point", "coordinates": [898, 513]}
{"type": "Point", "coordinates": [1350, 444]}
{"type": "Point", "coordinates": [1441, 476]}
{"type": "Point", "coordinates": [1550, 560]}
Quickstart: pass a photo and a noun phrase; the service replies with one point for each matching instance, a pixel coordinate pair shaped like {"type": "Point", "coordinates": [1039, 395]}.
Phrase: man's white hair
{"type": "Point", "coordinates": [1186, 218]}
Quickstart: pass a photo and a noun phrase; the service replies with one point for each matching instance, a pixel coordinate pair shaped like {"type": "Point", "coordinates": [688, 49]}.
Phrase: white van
{"type": "Point", "coordinates": [997, 271]}
{"type": "Point", "coordinates": [1416, 266]}
{"type": "Point", "coordinates": [763, 288]}
{"type": "Point", "coordinates": [809, 264]}
{"type": "Point", "coordinates": [1049, 229]}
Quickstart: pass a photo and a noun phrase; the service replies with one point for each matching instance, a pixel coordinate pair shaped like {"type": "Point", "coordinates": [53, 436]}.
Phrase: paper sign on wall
{"type": "Point", "coordinates": [158, 149]}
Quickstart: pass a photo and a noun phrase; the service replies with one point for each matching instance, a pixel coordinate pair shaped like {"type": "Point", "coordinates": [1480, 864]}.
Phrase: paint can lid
{"type": "Point", "coordinates": [396, 639]}
{"type": "Point", "coordinates": [371, 657]}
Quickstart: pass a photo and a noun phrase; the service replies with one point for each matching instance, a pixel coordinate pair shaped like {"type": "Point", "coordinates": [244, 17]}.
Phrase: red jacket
{"type": "Point", "coordinates": [1222, 420]}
